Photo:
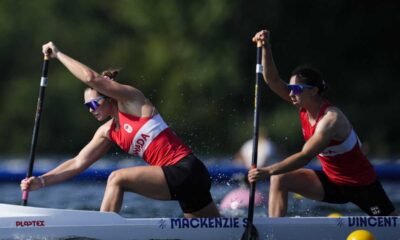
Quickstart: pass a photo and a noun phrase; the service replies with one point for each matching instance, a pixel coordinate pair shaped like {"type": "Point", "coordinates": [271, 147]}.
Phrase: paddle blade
{"type": "Point", "coordinates": [250, 233]}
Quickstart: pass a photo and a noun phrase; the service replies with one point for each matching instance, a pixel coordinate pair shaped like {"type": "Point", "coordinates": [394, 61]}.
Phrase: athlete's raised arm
{"type": "Point", "coordinates": [270, 72]}
{"type": "Point", "coordinates": [102, 84]}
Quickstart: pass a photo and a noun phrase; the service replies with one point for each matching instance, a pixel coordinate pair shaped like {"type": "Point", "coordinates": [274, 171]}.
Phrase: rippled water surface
{"type": "Point", "coordinates": [87, 195]}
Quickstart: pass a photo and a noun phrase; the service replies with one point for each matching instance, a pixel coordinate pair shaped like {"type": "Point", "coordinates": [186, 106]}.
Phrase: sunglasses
{"type": "Point", "coordinates": [298, 88]}
{"type": "Point", "coordinates": [94, 104]}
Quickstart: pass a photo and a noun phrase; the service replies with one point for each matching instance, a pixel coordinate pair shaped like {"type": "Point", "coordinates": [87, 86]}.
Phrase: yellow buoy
{"type": "Point", "coordinates": [361, 234]}
{"type": "Point", "coordinates": [335, 215]}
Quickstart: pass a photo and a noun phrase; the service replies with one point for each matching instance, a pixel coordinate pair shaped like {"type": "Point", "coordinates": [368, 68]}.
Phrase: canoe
{"type": "Point", "coordinates": [19, 222]}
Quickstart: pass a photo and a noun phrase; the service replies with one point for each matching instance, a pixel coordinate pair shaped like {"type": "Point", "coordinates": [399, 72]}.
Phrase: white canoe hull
{"type": "Point", "coordinates": [18, 222]}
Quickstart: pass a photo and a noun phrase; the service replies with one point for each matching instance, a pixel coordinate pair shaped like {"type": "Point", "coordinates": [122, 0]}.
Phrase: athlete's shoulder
{"type": "Point", "coordinates": [332, 112]}
{"type": "Point", "coordinates": [335, 121]}
{"type": "Point", "coordinates": [330, 119]}
{"type": "Point", "coordinates": [103, 130]}
{"type": "Point", "coordinates": [335, 114]}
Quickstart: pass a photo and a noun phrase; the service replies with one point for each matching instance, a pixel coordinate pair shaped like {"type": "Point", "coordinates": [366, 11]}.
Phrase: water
{"type": "Point", "coordinates": [87, 195]}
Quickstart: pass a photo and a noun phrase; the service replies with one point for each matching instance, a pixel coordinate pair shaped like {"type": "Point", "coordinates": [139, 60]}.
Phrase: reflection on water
{"type": "Point", "coordinates": [88, 195]}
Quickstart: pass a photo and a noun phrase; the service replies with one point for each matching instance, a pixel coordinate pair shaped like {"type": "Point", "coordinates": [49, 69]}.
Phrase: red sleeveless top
{"type": "Point", "coordinates": [150, 138]}
{"type": "Point", "coordinates": [343, 162]}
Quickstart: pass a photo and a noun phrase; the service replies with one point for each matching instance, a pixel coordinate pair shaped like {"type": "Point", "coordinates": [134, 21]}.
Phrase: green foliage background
{"type": "Point", "coordinates": [195, 61]}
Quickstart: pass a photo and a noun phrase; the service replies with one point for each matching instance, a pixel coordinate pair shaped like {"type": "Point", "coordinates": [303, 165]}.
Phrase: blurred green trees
{"type": "Point", "coordinates": [195, 61]}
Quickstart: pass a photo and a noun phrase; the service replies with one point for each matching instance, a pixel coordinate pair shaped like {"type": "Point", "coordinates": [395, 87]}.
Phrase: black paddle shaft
{"type": "Point", "coordinates": [39, 107]}
{"type": "Point", "coordinates": [251, 231]}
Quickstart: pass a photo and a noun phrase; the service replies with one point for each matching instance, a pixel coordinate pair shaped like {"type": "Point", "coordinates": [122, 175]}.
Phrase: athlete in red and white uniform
{"type": "Point", "coordinates": [334, 158]}
{"type": "Point", "coordinates": [149, 138]}
{"type": "Point", "coordinates": [346, 176]}
{"type": "Point", "coordinates": [173, 173]}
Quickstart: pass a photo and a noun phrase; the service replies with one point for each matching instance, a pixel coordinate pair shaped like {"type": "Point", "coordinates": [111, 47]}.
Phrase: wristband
{"type": "Point", "coordinates": [42, 182]}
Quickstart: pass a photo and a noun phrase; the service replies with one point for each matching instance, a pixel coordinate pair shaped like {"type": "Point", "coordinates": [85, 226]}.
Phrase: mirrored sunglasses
{"type": "Point", "coordinates": [94, 104]}
{"type": "Point", "coordinates": [298, 88]}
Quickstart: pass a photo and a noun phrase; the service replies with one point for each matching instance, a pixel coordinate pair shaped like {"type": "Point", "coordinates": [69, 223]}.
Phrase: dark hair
{"type": "Point", "coordinates": [111, 74]}
{"type": "Point", "coordinates": [310, 76]}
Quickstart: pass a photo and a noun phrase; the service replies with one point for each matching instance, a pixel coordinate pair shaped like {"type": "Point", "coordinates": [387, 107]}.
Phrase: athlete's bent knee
{"type": "Point", "coordinates": [114, 178]}
{"type": "Point", "coordinates": [280, 180]}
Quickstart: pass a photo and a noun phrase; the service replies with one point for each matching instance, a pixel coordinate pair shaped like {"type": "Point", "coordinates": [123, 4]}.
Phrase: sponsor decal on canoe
{"type": "Point", "coordinates": [205, 223]}
{"type": "Point", "coordinates": [33, 223]}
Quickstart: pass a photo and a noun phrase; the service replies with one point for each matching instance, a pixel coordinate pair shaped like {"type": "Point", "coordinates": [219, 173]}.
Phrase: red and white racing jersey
{"type": "Point", "coordinates": [343, 162]}
{"type": "Point", "coordinates": [150, 138]}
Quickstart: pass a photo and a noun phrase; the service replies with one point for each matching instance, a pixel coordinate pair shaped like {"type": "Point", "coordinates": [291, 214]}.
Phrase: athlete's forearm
{"type": "Point", "coordinates": [63, 172]}
{"type": "Point", "coordinates": [78, 69]}
{"type": "Point", "coordinates": [270, 72]}
{"type": "Point", "coordinates": [289, 164]}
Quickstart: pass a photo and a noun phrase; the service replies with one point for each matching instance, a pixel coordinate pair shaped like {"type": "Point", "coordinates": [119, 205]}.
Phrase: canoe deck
{"type": "Point", "coordinates": [18, 222]}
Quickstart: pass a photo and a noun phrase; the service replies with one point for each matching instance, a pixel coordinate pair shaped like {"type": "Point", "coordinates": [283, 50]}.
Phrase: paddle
{"type": "Point", "coordinates": [251, 231]}
{"type": "Point", "coordinates": [43, 85]}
